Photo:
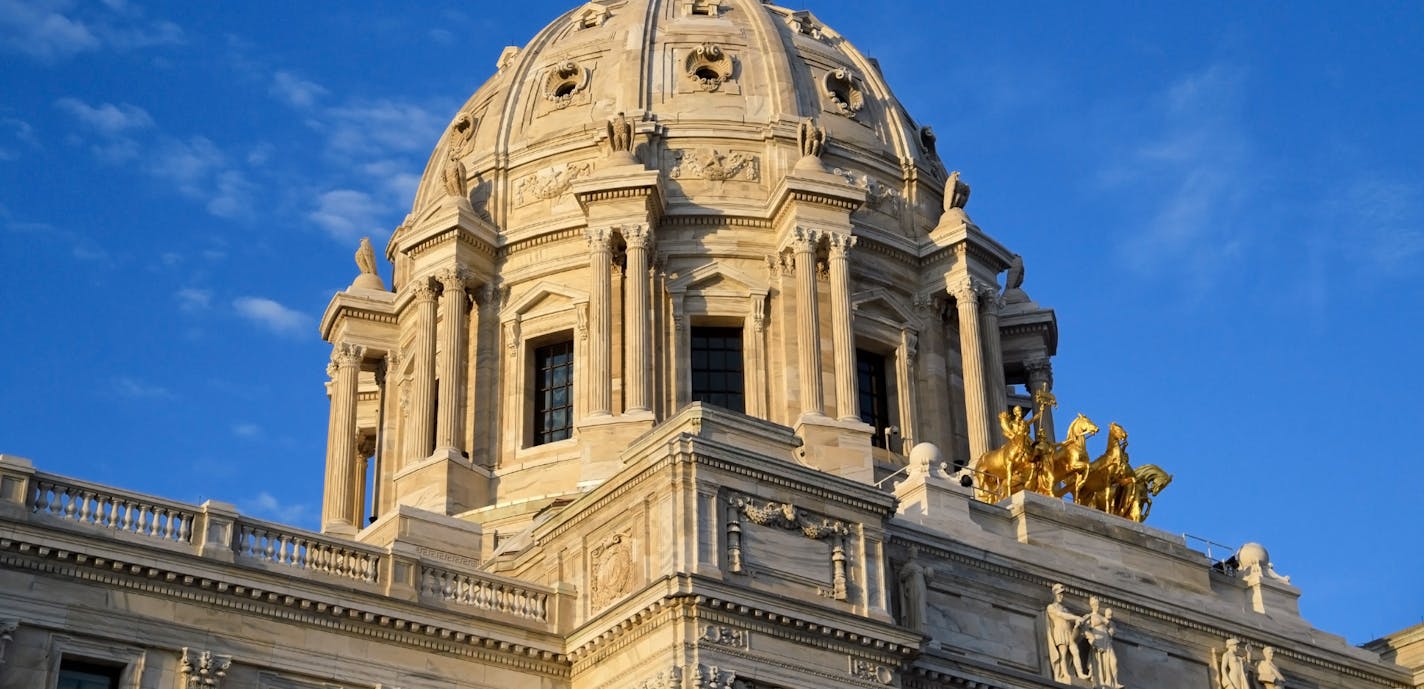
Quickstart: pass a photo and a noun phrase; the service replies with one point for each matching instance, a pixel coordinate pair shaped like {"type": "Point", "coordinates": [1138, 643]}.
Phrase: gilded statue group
{"type": "Point", "coordinates": [1031, 459]}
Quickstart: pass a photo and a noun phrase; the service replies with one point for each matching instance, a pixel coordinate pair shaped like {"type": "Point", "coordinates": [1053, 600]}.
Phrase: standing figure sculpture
{"type": "Point", "coordinates": [1099, 630]}
{"type": "Point", "coordinates": [454, 176]}
{"type": "Point", "coordinates": [1063, 626]}
{"type": "Point", "coordinates": [914, 592]}
{"type": "Point", "coordinates": [1267, 674]}
{"type": "Point", "coordinates": [1008, 464]}
{"type": "Point", "coordinates": [1231, 668]}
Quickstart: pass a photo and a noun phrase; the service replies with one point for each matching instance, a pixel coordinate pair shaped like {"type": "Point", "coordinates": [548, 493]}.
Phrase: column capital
{"type": "Point", "coordinates": [423, 291]}
{"type": "Point", "coordinates": [841, 243]}
{"type": "Point", "coordinates": [636, 236]}
{"type": "Point", "coordinates": [803, 239]}
{"type": "Point", "coordinates": [454, 279]}
{"type": "Point", "coordinates": [599, 239]}
{"type": "Point", "coordinates": [345, 355]}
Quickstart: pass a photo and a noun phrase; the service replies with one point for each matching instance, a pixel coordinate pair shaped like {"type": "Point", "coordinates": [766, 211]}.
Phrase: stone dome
{"type": "Point", "coordinates": [715, 91]}
{"type": "Point", "coordinates": [664, 208]}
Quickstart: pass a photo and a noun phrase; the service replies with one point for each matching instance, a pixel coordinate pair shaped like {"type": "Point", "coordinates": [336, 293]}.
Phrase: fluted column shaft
{"type": "Point", "coordinates": [1040, 378]}
{"type": "Point", "coordinates": [422, 404]}
{"type": "Point", "coordinates": [600, 326]}
{"type": "Point", "coordinates": [341, 440]}
{"type": "Point", "coordinates": [976, 400]}
{"type": "Point", "coordinates": [808, 318]}
{"type": "Point", "coordinates": [450, 420]}
{"type": "Point", "coordinates": [635, 316]}
{"type": "Point", "coordinates": [843, 337]}
{"type": "Point", "coordinates": [996, 397]}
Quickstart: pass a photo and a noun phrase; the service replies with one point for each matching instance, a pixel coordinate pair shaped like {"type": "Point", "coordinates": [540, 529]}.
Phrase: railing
{"type": "Point", "coordinates": [288, 547]}
{"type": "Point", "coordinates": [95, 506]}
{"type": "Point", "coordinates": [485, 592]}
{"type": "Point", "coordinates": [1216, 552]}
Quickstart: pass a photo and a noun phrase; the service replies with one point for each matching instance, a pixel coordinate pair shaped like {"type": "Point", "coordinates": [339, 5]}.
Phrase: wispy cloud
{"type": "Point", "coordinates": [267, 506]}
{"type": "Point", "coordinates": [246, 430]}
{"type": "Point", "coordinates": [1381, 227]}
{"type": "Point", "coordinates": [346, 214]}
{"type": "Point", "coordinates": [80, 246]}
{"type": "Point", "coordinates": [107, 118]}
{"type": "Point", "coordinates": [52, 30]}
{"type": "Point", "coordinates": [1191, 173]}
{"type": "Point", "coordinates": [193, 300]}
{"type": "Point", "coordinates": [136, 389]}
{"type": "Point", "coordinates": [272, 315]}
{"type": "Point", "coordinates": [294, 90]}
{"type": "Point", "coordinates": [16, 131]}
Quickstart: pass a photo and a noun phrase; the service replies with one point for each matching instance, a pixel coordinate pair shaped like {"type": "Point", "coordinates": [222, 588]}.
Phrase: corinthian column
{"type": "Point", "coordinates": [337, 505]}
{"type": "Point", "coordinates": [422, 403]}
{"type": "Point", "coordinates": [847, 401]}
{"type": "Point", "coordinates": [1040, 378]}
{"type": "Point", "coordinates": [600, 369]}
{"type": "Point", "coordinates": [635, 316]}
{"type": "Point", "coordinates": [450, 421]}
{"type": "Point", "coordinates": [808, 317]}
{"type": "Point", "coordinates": [976, 400]}
{"type": "Point", "coordinates": [997, 398]}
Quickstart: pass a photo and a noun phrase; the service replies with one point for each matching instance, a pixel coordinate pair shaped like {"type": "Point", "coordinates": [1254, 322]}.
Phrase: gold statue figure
{"type": "Point", "coordinates": [1007, 464]}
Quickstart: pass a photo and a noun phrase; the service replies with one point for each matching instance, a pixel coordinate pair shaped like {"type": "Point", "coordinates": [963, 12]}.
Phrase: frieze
{"type": "Point", "coordinates": [787, 516]}
{"type": "Point", "coordinates": [725, 636]}
{"type": "Point", "coordinates": [670, 678]}
{"type": "Point", "coordinates": [714, 165]}
{"type": "Point", "coordinates": [203, 669]}
{"type": "Point", "coordinates": [431, 554]}
{"type": "Point", "coordinates": [550, 183]}
{"type": "Point", "coordinates": [867, 671]}
{"type": "Point", "coordinates": [876, 193]}
{"type": "Point", "coordinates": [713, 677]}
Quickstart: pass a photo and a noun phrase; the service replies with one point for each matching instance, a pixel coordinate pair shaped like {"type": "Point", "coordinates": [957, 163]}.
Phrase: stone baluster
{"type": "Point", "coordinates": [976, 400]}
{"type": "Point", "coordinates": [808, 331]}
{"type": "Point", "coordinates": [341, 440]}
{"type": "Point", "coordinates": [1040, 377]}
{"type": "Point", "coordinates": [599, 376]}
{"type": "Point", "coordinates": [453, 304]}
{"type": "Point", "coordinates": [421, 430]}
{"type": "Point", "coordinates": [997, 396]}
{"type": "Point", "coordinates": [635, 315]}
{"type": "Point", "coordinates": [843, 337]}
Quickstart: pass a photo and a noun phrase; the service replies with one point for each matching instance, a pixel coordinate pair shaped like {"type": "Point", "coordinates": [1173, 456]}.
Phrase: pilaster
{"type": "Point", "coordinates": [843, 337]}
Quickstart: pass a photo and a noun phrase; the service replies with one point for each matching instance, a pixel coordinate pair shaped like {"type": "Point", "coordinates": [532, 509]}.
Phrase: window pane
{"type": "Point", "coordinates": [716, 362]}
{"type": "Point", "coordinates": [872, 396]}
{"type": "Point", "coordinates": [553, 392]}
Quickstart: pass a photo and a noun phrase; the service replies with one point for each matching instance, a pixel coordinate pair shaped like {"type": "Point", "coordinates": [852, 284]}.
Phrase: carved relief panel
{"type": "Point", "coordinates": [781, 541]}
{"type": "Point", "coordinates": [611, 571]}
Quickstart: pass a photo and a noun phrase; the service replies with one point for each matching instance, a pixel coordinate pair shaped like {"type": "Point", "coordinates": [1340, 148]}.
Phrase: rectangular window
{"type": "Point", "coordinates": [75, 673]}
{"type": "Point", "coordinates": [553, 392]}
{"type": "Point", "coordinates": [874, 393]}
{"type": "Point", "coordinates": [717, 367]}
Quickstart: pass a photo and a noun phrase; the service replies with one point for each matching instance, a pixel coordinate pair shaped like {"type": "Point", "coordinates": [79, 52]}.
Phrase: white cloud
{"type": "Point", "coordinates": [272, 315]}
{"type": "Point", "coordinates": [246, 430]}
{"type": "Point", "coordinates": [267, 506]}
{"type": "Point", "coordinates": [107, 119]}
{"type": "Point", "coordinates": [296, 91]}
{"type": "Point", "coordinates": [347, 214]}
{"type": "Point", "coordinates": [1381, 227]}
{"type": "Point", "coordinates": [133, 388]}
{"type": "Point", "coordinates": [192, 299]}
{"type": "Point", "coordinates": [375, 129]}
{"type": "Point", "coordinates": [41, 31]}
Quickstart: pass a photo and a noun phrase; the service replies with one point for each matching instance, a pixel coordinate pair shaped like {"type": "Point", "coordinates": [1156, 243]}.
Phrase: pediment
{"type": "Point", "coordinates": [715, 278]}
{"type": "Point", "coordinates": [544, 298]}
{"type": "Point", "coordinates": [880, 304]}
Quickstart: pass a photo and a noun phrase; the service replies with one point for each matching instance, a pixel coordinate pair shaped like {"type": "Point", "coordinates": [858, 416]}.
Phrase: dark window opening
{"type": "Point", "coordinates": [86, 674]}
{"type": "Point", "coordinates": [708, 74]}
{"type": "Point", "coordinates": [565, 90]}
{"type": "Point", "coordinates": [553, 392]}
{"type": "Point", "coordinates": [874, 394]}
{"type": "Point", "coordinates": [717, 367]}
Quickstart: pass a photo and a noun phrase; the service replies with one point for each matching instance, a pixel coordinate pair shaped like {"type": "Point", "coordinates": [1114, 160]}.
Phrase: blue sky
{"type": "Point", "coordinates": [1223, 201]}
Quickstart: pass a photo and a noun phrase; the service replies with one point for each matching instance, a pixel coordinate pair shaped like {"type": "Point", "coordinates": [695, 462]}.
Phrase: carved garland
{"type": "Point", "coordinates": [714, 165]}
{"type": "Point", "coordinates": [784, 515]}
{"type": "Point", "coordinates": [550, 183]}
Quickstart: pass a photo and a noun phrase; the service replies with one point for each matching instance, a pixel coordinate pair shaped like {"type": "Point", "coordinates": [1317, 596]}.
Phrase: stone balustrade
{"type": "Point", "coordinates": [285, 546]}
{"type": "Point", "coordinates": [92, 505]}
{"type": "Point", "coordinates": [483, 591]}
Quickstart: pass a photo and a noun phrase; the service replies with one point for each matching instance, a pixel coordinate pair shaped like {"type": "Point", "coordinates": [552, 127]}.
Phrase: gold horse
{"type": "Point", "coordinates": [1135, 501]}
{"type": "Point", "coordinates": [1009, 463]}
{"type": "Point", "coordinates": [1068, 465]}
{"type": "Point", "coordinates": [1108, 476]}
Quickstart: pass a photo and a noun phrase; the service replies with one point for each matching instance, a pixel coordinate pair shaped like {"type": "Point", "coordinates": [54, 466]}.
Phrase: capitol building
{"type": "Point", "coordinates": [688, 369]}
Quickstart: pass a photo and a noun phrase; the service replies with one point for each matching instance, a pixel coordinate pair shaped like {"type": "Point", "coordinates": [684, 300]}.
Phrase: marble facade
{"type": "Point", "coordinates": [643, 173]}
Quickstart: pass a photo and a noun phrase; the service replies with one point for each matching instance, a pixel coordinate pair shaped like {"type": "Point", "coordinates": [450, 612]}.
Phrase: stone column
{"type": "Point", "coordinates": [337, 506]}
{"type": "Point", "coordinates": [843, 337]}
{"type": "Point", "coordinates": [421, 430]}
{"type": "Point", "coordinates": [450, 422]}
{"type": "Point", "coordinates": [976, 400]}
{"type": "Point", "coordinates": [1040, 377]}
{"type": "Point", "coordinates": [808, 325]}
{"type": "Point", "coordinates": [997, 397]}
{"type": "Point", "coordinates": [600, 317]}
{"type": "Point", "coordinates": [635, 316]}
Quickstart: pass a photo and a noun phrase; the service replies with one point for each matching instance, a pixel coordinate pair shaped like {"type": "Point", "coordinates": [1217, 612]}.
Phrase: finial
{"type": "Point", "coordinates": [956, 193]}
{"type": "Point", "coordinates": [620, 140]}
{"type": "Point", "coordinates": [369, 278]}
{"type": "Point", "coordinates": [811, 136]}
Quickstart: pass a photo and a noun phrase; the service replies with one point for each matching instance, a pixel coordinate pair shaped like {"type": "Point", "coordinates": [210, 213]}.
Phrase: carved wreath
{"type": "Point", "coordinates": [564, 82]}
{"type": "Point", "coordinates": [611, 571]}
{"type": "Point", "coordinates": [709, 66]}
{"type": "Point", "coordinates": [844, 89]}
